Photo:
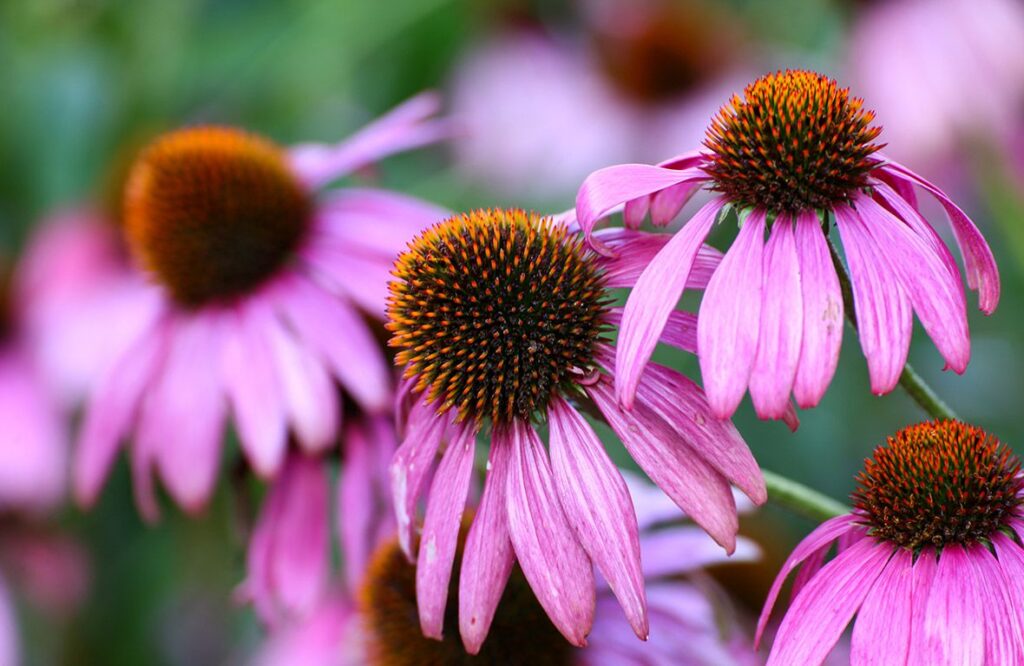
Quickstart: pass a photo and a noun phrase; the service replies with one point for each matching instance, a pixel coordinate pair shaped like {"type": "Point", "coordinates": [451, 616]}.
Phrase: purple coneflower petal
{"type": "Point", "coordinates": [667, 203]}
{"type": "Point", "coordinates": [935, 294]}
{"type": "Point", "coordinates": [822, 311]}
{"type": "Point", "coordinates": [375, 222]}
{"type": "Point", "coordinates": [982, 273]}
{"type": "Point", "coordinates": [344, 341]}
{"type": "Point", "coordinates": [655, 295]}
{"type": "Point", "coordinates": [884, 624]}
{"type": "Point", "coordinates": [182, 419]}
{"type": "Point", "coordinates": [553, 561]}
{"type": "Point", "coordinates": [727, 340]}
{"type": "Point", "coordinates": [951, 629]}
{"type": "Point", "coordinates": [884, 315]}
{"type": "Point", "coordinates": [822, 537]}
{"type": "Point", "coordinates": [673, 465]}
{"type": "Point", "coordinates": [9, 649]}
{"type": "Point", "coordinates": [680, 330]}
{"type": "Point", "coordinates": [411, 464]}
{"type": "Point", "coordinates": [634, 250]}
{"type": "Point", "coordinates": [359, 498]}
{"type": "Point", "coordinates": [1003, 644]}
{"type": "Point", "coordinates": [597, 505]}
{"type": "Point", "coordinates": [252, 387]}
{"type": "Point", "coordinates": [441, 529]}
{"type": "Point", "coordinates": [820, 613]}
{"type": "Point", "coordinates": [683, 549]}
{"type": "Point", "coordinates": [488, 557]}
{"type": "Point", "coordinates": [781, 327]}
{"type": "Point", "coordinates": [908, 213]}
{"type": "Point", "coordinates": [362, 278]}
{"type": "Point", "coordinates": [1011, 563]}
{"type": "Point", "coordinates": [635, 211]}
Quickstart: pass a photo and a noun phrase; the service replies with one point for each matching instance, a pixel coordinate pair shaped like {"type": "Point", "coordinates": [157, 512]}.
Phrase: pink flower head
{"type": "Point", "coordinates": [929, 561]}
{"type": "Point", "coordinates": [500, 318]}
{"type": "Point", "coordinates": [259, 281]}
{"type": "Point", "coordinates": [794, 150]}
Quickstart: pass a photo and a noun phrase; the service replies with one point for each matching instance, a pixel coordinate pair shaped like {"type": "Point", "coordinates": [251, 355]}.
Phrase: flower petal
{"type": "Point", "coordinates": [951, 629]}
{"type": "Point", "coordinates": [653, 298]}
{"type": "Point", "coordinates": [781, 329]}
{"type": "Point", "coordinates": [883, 309]}
{"type": "Point", "coordinates": [882, 632]}
{"type": "Point", "coordinates": [597, 504]}
{"type": "Point", "coordinates": [634, 250]}
{"type": "Point", "coordinates": [680, 330]}
{"type": "Point", "coordinates": [441, 529]}
{"type": "Point", "coordinates": [667, 203]}
{"type": "Point", "coordinates": [488, 557]}
{"type": "Point", "coordinates": [552, 560]}
{"type": "Point", "coordinates": [822, 311]}
{"type": "Point", "coordinates": [9, 648]}
{"type": "Point", "coordinates": [411, 464]}
{"type": "Point", "coordinates": [1003, 644]}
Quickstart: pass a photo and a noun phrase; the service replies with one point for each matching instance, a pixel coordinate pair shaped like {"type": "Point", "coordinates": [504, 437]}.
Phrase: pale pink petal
{"type": "Point", "coordinates": [679, 550]}
{"type": "Point", "coordinates": [326, 638]}
{"type": "Point", "coordinates": [363, 279]}
{"type": "Point", "coordinates": [183, 415]}
{"type": "Point", "coordinates": [782, 319]}
{"type": "Point", "coordinates": [553, 561]}
{"type": "Point", "coordinates": [344, 341]}
{"type": "Point", "coordinates": [821, 537]}
{"type": "Point", "coordinates": [597, 504]}
{"type": "Point", "coordinates": [951, 629]}
{"type": "Point", "coordinates": [10, 651]}
{"type": "Point", "coordinates": [822, 312]}
{"type": "Point", "coordinates": [411, 464]}
{"type": "Point", "coordinates": [819, 614]}
{"type": "Point", "coordinates": [909, 214]}
{"type": "Point", "coordinates": [633, 250]}
{"type": "Point", "coordinates": [635, 211]}
{"type": "Point", "coordinates": [727, 326]}
{"type": "Point", "coordinates": [406, 126]}
{"type": "Point", "coordinates": [441, 529]}
{"type": "Point", "coordinates": [680, 330]}
{"type": "Point", "coordinates": [488, 557]}
{"type": "Point", "coordinates": [1004, 638]}
{"type": "Point", "coordinates": [934, 292]}
{"type": "Point", "coordinates": [111, 412]}
{"type": "Point", "coordinates": [884, 314]}
{"type": "Point", "coordinates": [613, 186]}
{"type": "Point", "coordinates": [882, 632]}
{"type": "Point", "coordinates": [253, 389]}
{"type": "Point", "coordinates": [667, 203]}
{"type": "Point", "coordinates": [673, 465]}
{"type": "Point", "coordinates": [655, 295]}
{"type": "Point", "coordinates": [982, 273]}
{"type": "Point", "coordinates": [360, 496]}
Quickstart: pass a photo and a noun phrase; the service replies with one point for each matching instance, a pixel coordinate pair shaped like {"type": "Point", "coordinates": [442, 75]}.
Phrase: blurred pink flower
{"type": "Point", "coordinates": [258, 280]}
{"type": "Point", "coordinates": [499, 316]}
{"type": "Point", "coordinates": [958, 77]}
{"type": "Point", "coordinates": [10, 648]}
{"type": "Point", "coordinates": [772, 315]}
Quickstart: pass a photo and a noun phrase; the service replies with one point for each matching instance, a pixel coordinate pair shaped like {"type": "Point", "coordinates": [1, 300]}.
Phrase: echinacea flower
{"type": "Point", "coordinates": [692, 623]}
{"type": "Point", "coordinates": [259, 279]}
{"type": "Point", "coordinates": [499, 317]}
{"type": "Point", "coordinates": [930, 560]}
{"type": "Point", "coordinates": [790, 155]}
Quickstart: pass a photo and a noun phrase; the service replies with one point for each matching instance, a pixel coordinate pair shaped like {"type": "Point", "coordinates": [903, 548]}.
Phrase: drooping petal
{"type": "Point", "coordinates": [1010, 565]}
{"type": "Point", "coordinates": [613, 186]}
{"type": "Point", "coordinates": [635, 211]}
{"type": "Point", "coordinates": [952, 627]}
{"type": "Point", "coordinates": [982, 273]}
{"type": "Point", "coordinates": [782, 319]}
{"type": "Point", "coordinates": [253, 390]}
{"type": "Point", "coordinates": [441, 530]}
{"type": "Point", "coordinates": [411, 464]}
{"type": "Point", "coordinates": [666, 203]}
{"type": "Point", "coordinates": [488, 557]}
{"type": "Point", "coordinates": [1003, 632]}
{"type": "Point", "coordinates": [692, 483]}
{"type": "Point", "coordinates": [935, 294]}
{"type": "Point", "coordinates": [820, 613]}
{"type": "Point", "coordinates": [680, 330]}
{"type": "Point", "coordinates": [634, 250]}
{"type": "Point", "coordinates": [553, 561]}
{"type": "Point", "coordinates": [822, 536]}
{"type": "Point", "coordinates": [597, 504]}
{"type": "Point", "coordinates": [909, 214]}
{"type": "Point", "coordinates": [884, 314]}
{"type": "Point", "coordinates": [727, 326]}
{"type": "Point", "coordinates": [822, 311]}
{"type": "Point", "coordinates": [882, 632]}
{"type": "Point", "coordinates": [655, 295]}
{"type": "Point", "coordinates": [683, 549]}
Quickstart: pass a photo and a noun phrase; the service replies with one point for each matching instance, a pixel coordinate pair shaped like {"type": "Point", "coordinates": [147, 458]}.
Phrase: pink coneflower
{"type": "Point", "coordinates": [500, 317]}
{"type": "Point", "coordinates": [929, 560]}
{"type": "Point", "coordinates": [258, 281]}
{"type": "Point", "coordinates": [692, 622]}
{"type": "Point", "coordinates": [795, 151]}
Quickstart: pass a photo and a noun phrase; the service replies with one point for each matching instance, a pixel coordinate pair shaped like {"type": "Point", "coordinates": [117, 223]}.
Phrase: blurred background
{"type": "Point", "coordinates": [545, 92]}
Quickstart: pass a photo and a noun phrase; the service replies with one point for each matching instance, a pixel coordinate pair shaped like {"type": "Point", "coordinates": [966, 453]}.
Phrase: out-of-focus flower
{"type": "Point", "coordinates": [959, 77]}
{"type": "Point", "coordinates": [794, 149]}
{"type": "Point", "coordinates": [500, 316]}
{"type": "Point", "coordinates": [542, 111]}
{"type": "Point", "coordinates": [9, 644]}
{"type": "Point", "coordinates": [257, 282]}
{"type": "Point", "coordinates": [691, 623]}
{"type": "Point", "coordinates": [929, 560]}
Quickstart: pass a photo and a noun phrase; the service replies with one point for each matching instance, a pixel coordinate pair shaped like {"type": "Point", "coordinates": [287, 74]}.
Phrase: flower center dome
{"type": "Point", "coordinates": [496, 311]}
{"type": "Point", "coordinates": [939, 483]}
{"type": "Point", "coordinates": [520, 633]}
{"type": "Point", "coordinates": [794, 141]}
{"type": "Point", "coordinates": [212, 212]}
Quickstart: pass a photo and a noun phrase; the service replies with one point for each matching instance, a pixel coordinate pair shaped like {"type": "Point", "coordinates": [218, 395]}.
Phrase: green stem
{"type": "Point", "coordinates": [801, 499]}
{"type": "Point", "coordinates": [911, 382]}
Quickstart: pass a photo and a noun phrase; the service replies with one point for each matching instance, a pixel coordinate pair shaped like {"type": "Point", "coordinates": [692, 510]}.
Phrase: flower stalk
{"type": "Point", "coordinates": [800, 499]}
